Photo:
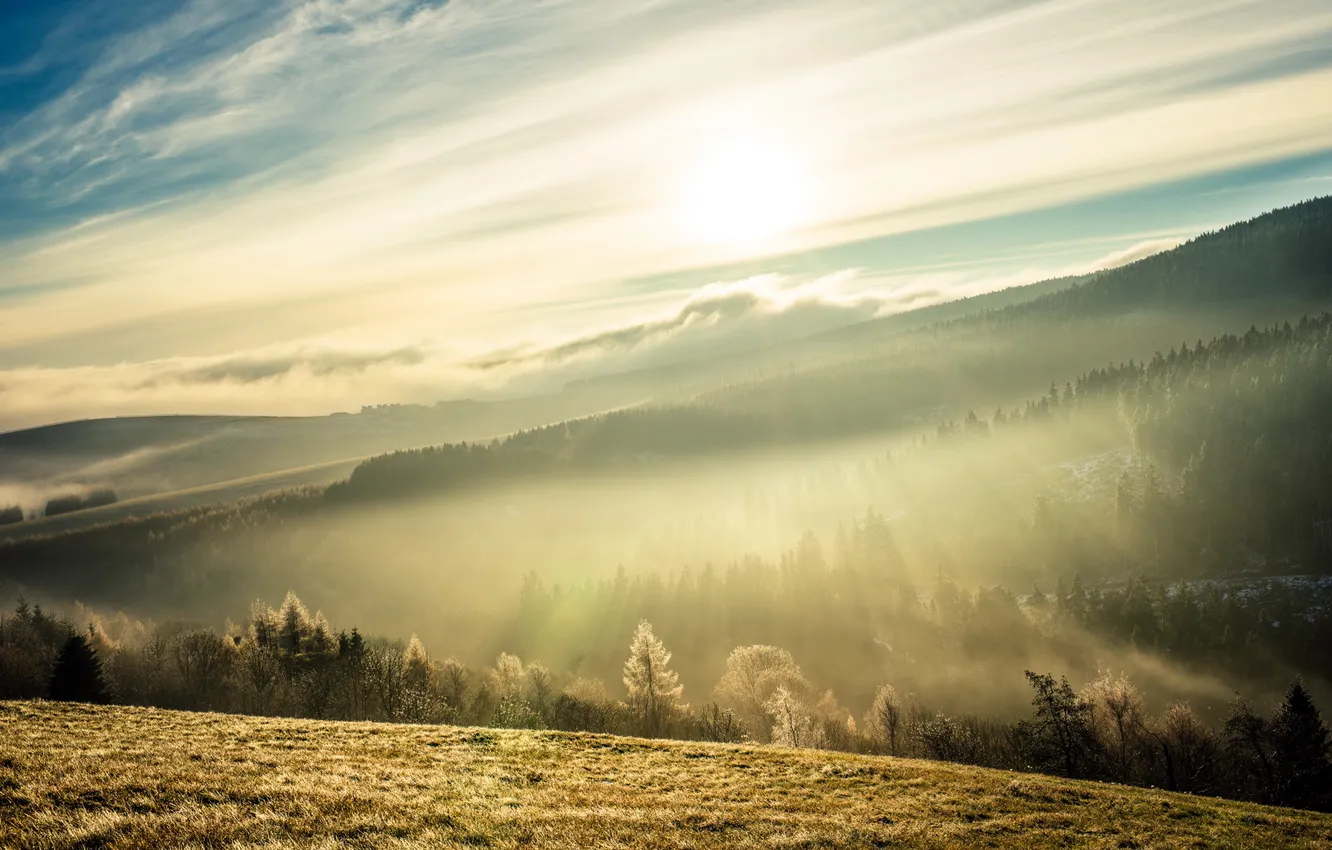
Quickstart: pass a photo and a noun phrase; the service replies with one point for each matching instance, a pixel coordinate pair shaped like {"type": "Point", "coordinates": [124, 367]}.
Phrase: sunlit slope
{"type": "Point", "coordinates": [132, 778]}
{"type": "Point", "coordinates": [176, 458]}
{"type": "Point", "coordinates": [189, 499]}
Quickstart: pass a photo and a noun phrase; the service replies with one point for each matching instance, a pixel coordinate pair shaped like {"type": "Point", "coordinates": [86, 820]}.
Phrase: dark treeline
{"type": "Point", "coordinates": [77, 502]}
{"type": "Point", "coordinates": [634, 437]}
{"type": "Point", "coordinates": [286, 662]}
{"type": "Point", "coordinates": [1238, 433]}
{"type": "Point", "coordinates": [128, 553]}
{"type": "Point", "coordinates": [1201, 408]}
{"type": "Point", "coordinates": [62, 505]}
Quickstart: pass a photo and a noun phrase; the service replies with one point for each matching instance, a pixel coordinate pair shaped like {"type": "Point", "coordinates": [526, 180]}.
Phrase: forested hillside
{"type": "Point", "coordinates": [936, 531]}
{"type": "Point", "coordinates": [1286, 253]}
{"type": "Point", "coordinates": [1284, 258]}
{"type": "Point", "coordinates": [1238, 435]}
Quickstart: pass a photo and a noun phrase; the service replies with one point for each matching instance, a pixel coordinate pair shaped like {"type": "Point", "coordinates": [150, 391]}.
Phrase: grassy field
{"type": "Point", "coordinates": [74, 776]}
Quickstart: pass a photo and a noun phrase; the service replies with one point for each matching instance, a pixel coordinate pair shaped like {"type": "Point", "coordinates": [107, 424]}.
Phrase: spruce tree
{"type": "Point", "coordinates": [77, 676]}
{"type": "Point", "coordinates": [1300, 751]}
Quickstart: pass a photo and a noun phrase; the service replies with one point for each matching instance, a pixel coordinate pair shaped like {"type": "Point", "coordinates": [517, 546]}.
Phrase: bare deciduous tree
{"type": "Point", "coordinates": [540, 690]}
{"type": "Point", "coordinates": [883, 721]}
{"type": "Point", "coordinates": [387, 674]}
{"type": "Point", "coordinates": [455, 684]}
{"type": "Point", "coordinates": [793, 724]}
{"type": "Point", "coordinates": [259, 675]}
{"type": "Point", "coordinates": [1119, 718]}
{"type": "Point", "coordinates": [753, 675]}
{"type": "Point", "coordinates": [204, 660]}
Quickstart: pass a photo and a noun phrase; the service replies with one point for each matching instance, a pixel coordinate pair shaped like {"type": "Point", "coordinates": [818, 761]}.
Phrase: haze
{"type": "Point", "coordinates": [949, 380]}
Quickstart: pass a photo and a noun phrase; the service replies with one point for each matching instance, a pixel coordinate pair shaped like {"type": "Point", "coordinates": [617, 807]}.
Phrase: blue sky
{"type": "Point", "coordinates": [187, 185]}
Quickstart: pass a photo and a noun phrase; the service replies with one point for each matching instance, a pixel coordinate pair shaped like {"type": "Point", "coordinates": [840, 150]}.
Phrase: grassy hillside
{"type": "Point", "coordinates": [74, 776]}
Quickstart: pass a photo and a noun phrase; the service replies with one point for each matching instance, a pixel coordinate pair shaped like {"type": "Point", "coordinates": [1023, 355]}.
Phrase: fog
{"type": "Point", "coordinates": [459, 570]}
{"type": "Point", "coordinates": [1123, 474]}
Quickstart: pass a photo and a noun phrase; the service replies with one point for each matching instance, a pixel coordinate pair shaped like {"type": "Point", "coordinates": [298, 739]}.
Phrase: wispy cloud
{"type": "Point", "coordinates": [249, 369]}
{"type": "Point", "coordinates": [312, 379]}
{"type": "Point", "coordinates": [409, 169]}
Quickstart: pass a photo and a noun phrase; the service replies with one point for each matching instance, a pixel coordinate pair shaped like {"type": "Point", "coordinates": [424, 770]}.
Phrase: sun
{"type": "Point", "coordinates": [743, 191]}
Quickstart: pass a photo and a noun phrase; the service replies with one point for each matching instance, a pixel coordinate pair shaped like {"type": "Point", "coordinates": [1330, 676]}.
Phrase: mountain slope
{"type": "Point", "coordinates": [166, 778]}
{"type": "Point", "coordinates": [1283, 254]}
{"type": "Point", "coordinates": [829, 346]}
{"type": "Point", "coordinates": [897, 371]}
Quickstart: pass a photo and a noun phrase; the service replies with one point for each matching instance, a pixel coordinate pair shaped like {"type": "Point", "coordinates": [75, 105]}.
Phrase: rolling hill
{"type": "Point", "coordinates": [166, 463]}
{"type": "Point", "coordinates": [894, 372]}
{"type": "Point", "coordinates": [112, 778]}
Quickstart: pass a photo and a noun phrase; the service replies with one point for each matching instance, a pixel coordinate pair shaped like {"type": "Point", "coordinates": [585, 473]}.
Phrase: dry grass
{"type": "Point", "coordinates": [73, 776]}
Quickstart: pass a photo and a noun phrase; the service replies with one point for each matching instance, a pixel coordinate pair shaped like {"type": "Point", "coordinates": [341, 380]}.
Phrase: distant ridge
{"type": "Point", "coordinates": [1283, 254]}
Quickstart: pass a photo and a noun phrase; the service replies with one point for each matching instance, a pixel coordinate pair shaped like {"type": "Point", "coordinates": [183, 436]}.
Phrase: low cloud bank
{"type": "Point", "coordinates": [772, 308]}
{"type": "Point", "coordinates": [319, 378]}
{"type": "Point", "coordinates": [249, 369]}
{"type": "Point", "coordinates": [720, 315]}
{"type": "Point", "coordinates": [283, 381]}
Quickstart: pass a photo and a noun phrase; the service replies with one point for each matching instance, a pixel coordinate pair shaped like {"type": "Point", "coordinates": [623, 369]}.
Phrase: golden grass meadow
{"type": "Point", "coordinates": [111, 778]}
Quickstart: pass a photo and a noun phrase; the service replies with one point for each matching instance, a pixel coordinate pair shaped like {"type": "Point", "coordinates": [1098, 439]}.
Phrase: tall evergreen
{"type": "Point", "coordinates": [77, 676]}
{"type": "Point", "coordinates": [1300, 751]}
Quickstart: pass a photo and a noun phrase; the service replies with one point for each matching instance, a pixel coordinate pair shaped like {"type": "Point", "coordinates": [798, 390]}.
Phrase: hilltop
{"type": "Point", "coordinates": [80, 776]}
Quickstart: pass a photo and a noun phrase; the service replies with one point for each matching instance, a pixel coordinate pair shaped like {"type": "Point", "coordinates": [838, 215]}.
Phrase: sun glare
{"type": "Point", "coordinates": [742, 192]}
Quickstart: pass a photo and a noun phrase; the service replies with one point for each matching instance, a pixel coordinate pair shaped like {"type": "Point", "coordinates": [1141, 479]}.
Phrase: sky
{"type": "Point", "coordinates": [276, 206]}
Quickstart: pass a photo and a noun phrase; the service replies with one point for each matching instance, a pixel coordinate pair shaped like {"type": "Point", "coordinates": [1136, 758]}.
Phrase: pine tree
{"type": "Point", "coordinates": [1301, 771]}
{"type": "Point", "coordinates": [77, 676]}
{"type": "Point", "coordinates": [653, 686]}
